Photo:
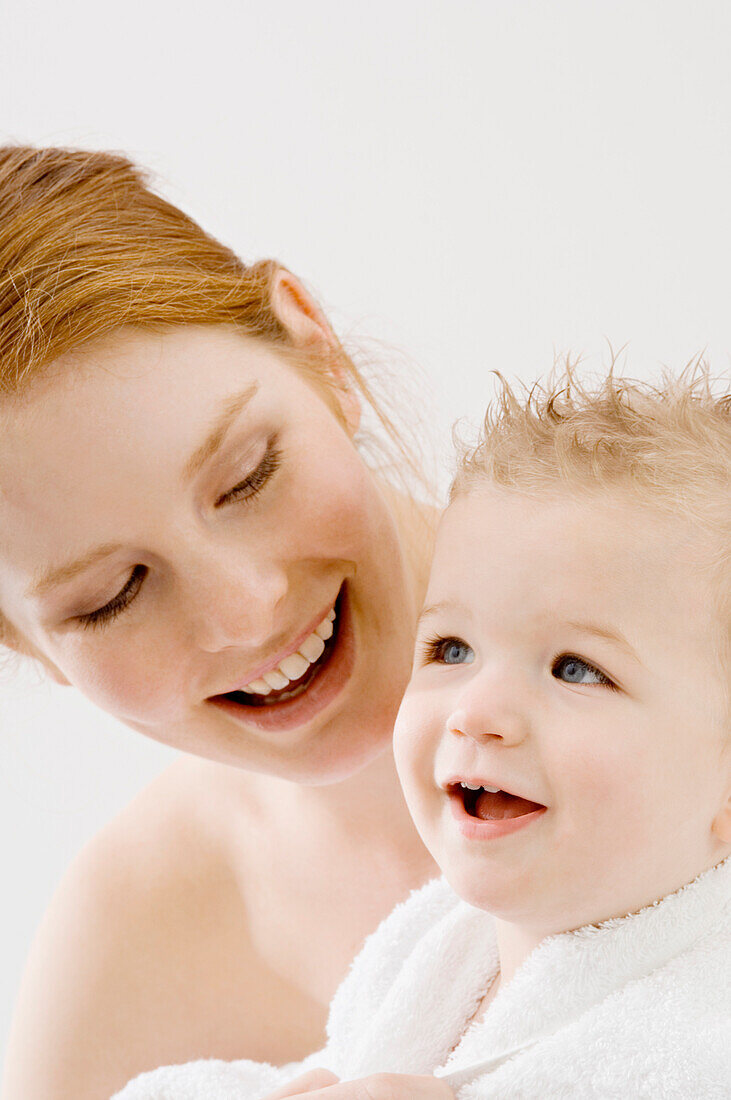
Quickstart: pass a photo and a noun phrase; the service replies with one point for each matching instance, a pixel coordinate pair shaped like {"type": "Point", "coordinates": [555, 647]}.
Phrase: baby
{"type": "Point", "coordinates": [565, 750]}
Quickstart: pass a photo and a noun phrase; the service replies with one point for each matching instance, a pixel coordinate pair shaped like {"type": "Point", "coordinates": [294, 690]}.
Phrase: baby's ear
{"type": "Point", "coordinates": [722, 821]}
{"type": "Point", "coordinates": [19, 645]}
{"type": "Point", "coordinates": [55, 673]}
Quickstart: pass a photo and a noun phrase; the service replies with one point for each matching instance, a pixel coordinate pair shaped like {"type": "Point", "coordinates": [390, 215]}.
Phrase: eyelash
{"type": "Point", "coordinates": [433, 647]}
{"type": "Point", "coordinates": [255, 482]}
{"type": "Point", "coordinates": [604, 680]}
{"type": "Point", "coordinates": [245, 490]}
{"type": "Point", "coordinates": [122, 600]}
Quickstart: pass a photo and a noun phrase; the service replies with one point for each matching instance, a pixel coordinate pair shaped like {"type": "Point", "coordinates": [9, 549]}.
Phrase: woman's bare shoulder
{"type": "Point", "coordinates": [163, 845]}
{"type": "Point", "coordinates": [142, 956]}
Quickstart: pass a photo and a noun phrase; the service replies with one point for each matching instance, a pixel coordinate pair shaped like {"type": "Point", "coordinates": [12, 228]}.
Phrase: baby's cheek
{"type": "Point", "coordinates": [415, 743]}
{"type": "Point", "coordinates": [607, 801]}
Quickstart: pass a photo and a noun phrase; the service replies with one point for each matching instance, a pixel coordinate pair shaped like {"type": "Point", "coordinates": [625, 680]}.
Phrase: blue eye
{"type": "Point", "coordinates": [448, 651]}
{"type": "Point", "coordinates": [573, 670]}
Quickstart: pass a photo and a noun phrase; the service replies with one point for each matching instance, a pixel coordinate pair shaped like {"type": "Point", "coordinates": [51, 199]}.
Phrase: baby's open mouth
{"type": "Point", "coordinates": [489, 804]}
{"type": "Point", "coordinates": [295, 673]}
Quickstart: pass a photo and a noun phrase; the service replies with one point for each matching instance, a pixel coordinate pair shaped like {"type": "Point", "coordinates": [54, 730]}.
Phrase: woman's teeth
{"type": "Point", "coordinates": [469, 787]}
{"type": "Point", "coordinates": [294, 666]}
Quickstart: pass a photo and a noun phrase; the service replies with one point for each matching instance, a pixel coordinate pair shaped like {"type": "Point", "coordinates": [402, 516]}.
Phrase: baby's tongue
{"type": "Point", "coordinates": [496, 807]}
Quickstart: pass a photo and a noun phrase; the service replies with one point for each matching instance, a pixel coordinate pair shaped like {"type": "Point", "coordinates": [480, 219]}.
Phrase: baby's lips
{"type": "Point", "coordinates": [457, 781]}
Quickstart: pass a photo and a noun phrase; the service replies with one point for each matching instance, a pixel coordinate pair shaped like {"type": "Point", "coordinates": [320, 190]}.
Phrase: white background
{"type": "Point", "coordinates": [477, 184]}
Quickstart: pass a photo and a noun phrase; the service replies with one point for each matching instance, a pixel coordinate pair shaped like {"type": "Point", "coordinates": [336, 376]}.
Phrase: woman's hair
{"type": "Point", "coordinates": [667, 446]}
{"type": "Point", "coordinates": [86, 247]}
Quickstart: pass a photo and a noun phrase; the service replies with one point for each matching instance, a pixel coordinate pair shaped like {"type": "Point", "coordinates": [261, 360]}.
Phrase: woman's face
{"type": "Point", "coordinates": [180, 514]}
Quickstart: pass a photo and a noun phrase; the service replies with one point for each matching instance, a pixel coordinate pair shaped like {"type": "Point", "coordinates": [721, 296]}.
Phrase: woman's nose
{"type": "Point", "coordinates": [491, 707]}
{"type": "Point", "coordinates": [237, 603]}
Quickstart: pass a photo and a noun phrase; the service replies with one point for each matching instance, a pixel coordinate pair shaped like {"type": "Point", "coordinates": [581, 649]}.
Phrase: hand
{"type": "Point", "coordinates": [381, 1086]}
{"type": "Point", "coordinates": [308, 1082]}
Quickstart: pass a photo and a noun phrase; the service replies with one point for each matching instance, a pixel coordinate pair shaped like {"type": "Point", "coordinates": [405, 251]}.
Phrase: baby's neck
{"type": "Point", "coordinates": [514, 944]}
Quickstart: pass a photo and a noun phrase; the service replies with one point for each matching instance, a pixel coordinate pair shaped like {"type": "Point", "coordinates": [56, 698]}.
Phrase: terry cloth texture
{"type": "Point", "coordinates": [638, 1006]}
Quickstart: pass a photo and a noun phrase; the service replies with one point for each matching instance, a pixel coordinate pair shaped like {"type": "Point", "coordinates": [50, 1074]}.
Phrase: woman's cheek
{"type": "Point", "coordinates": [339, 512]}
{"type": "Point", "coordinates": [131, 682]}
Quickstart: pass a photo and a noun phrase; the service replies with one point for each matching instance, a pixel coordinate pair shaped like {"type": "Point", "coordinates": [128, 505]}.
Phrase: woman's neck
{"type": "Point", "coordinates": [366, 805]}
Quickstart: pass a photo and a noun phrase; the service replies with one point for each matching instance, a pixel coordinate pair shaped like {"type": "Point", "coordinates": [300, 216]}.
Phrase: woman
{"type": "Point", "coordinates": [189, 535]}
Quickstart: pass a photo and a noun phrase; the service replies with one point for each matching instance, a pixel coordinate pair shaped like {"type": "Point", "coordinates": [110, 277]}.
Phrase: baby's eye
{"type": "Point", "coordinates": [448, 651]}
{"type": "Point", "coordinates": [573, 670]}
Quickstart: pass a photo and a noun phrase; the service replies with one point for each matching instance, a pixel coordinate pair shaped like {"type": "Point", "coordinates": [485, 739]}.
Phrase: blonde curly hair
{"type": "Point", "coordinates": [666, 445]}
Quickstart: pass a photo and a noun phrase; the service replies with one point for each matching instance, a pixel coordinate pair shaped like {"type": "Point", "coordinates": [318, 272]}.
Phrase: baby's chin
{"type": "Point", "coordinates": [506, 897]}
{"type": "Point", "coordinates": [514, 894]}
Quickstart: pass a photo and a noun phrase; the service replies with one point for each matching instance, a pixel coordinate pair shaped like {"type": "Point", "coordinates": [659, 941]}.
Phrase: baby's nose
{"type": "Point", "coordinates": [483, 717]}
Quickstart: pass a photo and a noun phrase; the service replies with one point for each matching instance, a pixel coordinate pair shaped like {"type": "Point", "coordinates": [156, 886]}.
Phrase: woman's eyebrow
{"type": "Point", "coordinates": [224, 419]}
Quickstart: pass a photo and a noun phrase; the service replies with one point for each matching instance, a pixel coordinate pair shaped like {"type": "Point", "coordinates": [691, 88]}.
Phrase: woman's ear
{"type": "Point", "coordinates": [309, 328]}
{"type": "Point", "coordinates": [300, 314]}
{"type": "Point", "coordinates": [350, 408]}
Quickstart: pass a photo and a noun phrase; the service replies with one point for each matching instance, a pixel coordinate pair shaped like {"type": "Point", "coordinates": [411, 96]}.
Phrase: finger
{"type": "Point", "coordinates": [308, 1082]}
{"type": "Point", "coordinates": [385, 1086]}
{"type": "Point", "coordinates": [399, 1086]}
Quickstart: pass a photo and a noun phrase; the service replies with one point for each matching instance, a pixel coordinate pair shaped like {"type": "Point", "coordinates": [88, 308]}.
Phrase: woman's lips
{"type": "Point", "coordinates": [274, 662]}
{"type": "Point", "coordinates": [330, 679]}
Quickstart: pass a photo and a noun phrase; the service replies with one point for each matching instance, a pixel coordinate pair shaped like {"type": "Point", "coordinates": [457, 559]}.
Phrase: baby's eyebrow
{"type": "Point", "coordinates": [444, 605]}
{"type": "Point", "coordinates": [51, 578]}
{"type": "Point", "coordinates": [607, 634]}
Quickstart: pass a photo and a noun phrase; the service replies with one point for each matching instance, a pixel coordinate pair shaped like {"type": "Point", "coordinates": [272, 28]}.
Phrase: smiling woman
{"type": "Point", "coordinates": [190, 536]}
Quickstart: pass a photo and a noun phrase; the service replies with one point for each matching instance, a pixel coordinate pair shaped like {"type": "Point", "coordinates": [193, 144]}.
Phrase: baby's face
{"type": "Point", "coordinates": [566, 655]}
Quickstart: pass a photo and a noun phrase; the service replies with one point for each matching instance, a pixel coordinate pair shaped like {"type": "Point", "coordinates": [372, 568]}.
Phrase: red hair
{"type": "Point", "coordinates": [86, 247]}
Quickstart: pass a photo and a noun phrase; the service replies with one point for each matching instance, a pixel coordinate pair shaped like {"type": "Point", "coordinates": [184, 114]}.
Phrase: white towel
{"type": "Point", "coordinates": [634, 1007]}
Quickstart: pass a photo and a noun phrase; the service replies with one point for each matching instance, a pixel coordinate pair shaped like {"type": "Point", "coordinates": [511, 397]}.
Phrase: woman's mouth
{"type": "Point", "coordinates": [295, 673]}
{"type": "Point", "coordinates": [304, 682]}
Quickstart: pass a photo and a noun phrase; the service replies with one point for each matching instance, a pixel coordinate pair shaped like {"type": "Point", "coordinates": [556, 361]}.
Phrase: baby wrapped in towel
{"type": "Point", "coordinates": [565, 750]}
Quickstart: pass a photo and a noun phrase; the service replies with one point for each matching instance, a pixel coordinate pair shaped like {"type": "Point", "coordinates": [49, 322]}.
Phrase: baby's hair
{"type": "Point", "coordinates": [666, 445]}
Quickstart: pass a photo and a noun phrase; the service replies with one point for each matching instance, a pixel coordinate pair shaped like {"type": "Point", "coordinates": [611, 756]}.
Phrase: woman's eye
{"type": "Point", "coordinates": [256, 480]}
{"type": "Point", "coordinates": [574, 670]}
{"type": "Point", "coordinates": [245, 490]}
{"type": "Point", "coordinates": [120, 602]}
{"type": "Point", "coordinates": [448, 651]}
